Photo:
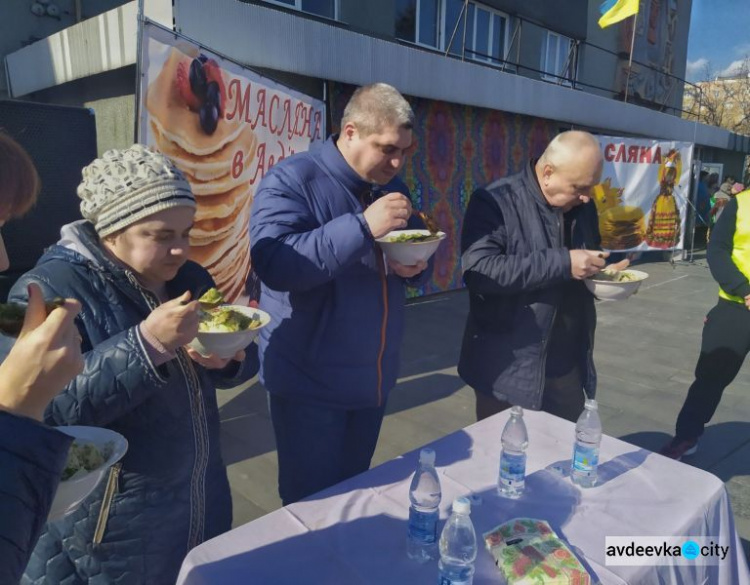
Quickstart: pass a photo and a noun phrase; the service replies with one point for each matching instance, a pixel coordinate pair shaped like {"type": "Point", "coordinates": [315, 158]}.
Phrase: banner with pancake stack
{"type": "Point", "coordinates": [642, 200]}
{"type": "Point", "coordinates": [224, 126]}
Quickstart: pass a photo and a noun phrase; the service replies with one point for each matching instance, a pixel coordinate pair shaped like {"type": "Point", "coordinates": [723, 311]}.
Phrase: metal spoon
{"type": "Point", "coordinates": [428, 221]}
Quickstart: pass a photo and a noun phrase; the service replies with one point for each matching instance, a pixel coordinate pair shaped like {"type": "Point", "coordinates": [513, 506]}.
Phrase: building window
{"type": "Point", "coordinates": [486, 31]}
{"type": "Point", "coordinates": [431, 23]}
{"type": "Point", "coordinates": [417, 21]}
{"type": "Point", "coordinates": [326, 8]}
{"type": "Point", "coordinates": [557, 60]}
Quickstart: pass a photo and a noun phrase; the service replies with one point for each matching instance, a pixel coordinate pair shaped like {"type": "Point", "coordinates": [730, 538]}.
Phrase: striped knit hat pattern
{"type": "Point", "coordinates": [125, 186]}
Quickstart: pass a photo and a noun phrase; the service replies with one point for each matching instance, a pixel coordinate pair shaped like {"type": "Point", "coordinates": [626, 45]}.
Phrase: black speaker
{"type": "Point", "coordinates": [61, 141]}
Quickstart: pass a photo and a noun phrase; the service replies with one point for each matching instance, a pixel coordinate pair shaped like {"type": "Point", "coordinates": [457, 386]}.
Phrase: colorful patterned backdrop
{"type": "Point", "coordinates": [459, 148]}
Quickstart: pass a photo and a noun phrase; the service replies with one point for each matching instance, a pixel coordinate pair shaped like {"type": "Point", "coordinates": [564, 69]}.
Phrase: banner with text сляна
{"type": "Point", "coordinates": [643, 197]}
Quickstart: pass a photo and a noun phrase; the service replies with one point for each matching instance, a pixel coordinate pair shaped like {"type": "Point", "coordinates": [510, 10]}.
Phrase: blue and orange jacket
{"type": "Point", "coordinates": [337, 314]}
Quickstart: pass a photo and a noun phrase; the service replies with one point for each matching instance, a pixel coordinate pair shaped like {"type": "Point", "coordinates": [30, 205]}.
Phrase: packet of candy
{"type": "Point", "coordinates": [528, 552]}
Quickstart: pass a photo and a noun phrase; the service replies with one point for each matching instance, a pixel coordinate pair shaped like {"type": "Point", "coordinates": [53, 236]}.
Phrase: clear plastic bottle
{"type": "Point", "coordinates": [425, 495]}
{"type": "Point", "coordinates": [512, 475]}
{"type": "Point", "coordinates": [458, 546]}
{"type": "Point", "coordinates": [586, 451]}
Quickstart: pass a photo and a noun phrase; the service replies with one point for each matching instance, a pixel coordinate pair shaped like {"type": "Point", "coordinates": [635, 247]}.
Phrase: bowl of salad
{"type": "Point", "coordinates": [225, 329]}
{"type": "Point", "coordinates": [615, 285]}
{"type": "Point", "coordinates": [408, 247]}
{"type": "Point", "coordinates": [92, 453]}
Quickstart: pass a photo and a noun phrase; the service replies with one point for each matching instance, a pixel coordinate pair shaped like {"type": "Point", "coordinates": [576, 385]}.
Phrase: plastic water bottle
{"type": "Point", "coordinates": [586, 451]}
{"type": "Point", "coordinates": [425, 495]}
{"type": "Point", "coordinates": [512, 476]}
{"type": "Point", "coordinates": [458, 547]}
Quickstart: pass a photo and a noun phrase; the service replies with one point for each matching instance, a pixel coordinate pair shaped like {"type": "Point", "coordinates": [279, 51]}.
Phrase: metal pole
{"type": "Point", "coordinates": [465, 11]}
{"type": "Point", "coordinates": [630, 61]}
{"type": "Point", "coordinates": [513, 40]}
{"type": "Point", "coordinates": [568, 65]}
{"type": "Point", "coordinates": [669, 95]}
{"type": "Point", "coordinates": [518, 46]}
{"type": "Point", "coordinates": [139, 71]}
{"type": "Point", "coordinates": [455, 30]}
{"type": "Point", "coordinates": [8, 87]}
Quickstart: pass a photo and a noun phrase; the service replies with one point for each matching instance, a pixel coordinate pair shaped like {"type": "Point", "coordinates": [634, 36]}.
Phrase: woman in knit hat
{"type": "Point", "coordinates": [126, 262]}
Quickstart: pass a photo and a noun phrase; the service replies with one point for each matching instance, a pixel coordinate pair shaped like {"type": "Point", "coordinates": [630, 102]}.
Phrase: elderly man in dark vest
{"type": "Point", "coordinates": [528, 241]}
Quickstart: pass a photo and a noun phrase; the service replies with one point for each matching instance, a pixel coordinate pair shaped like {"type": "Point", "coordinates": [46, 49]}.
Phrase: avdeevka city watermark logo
{"type": "Point", "coordinates": [691, 550]}
{"type": "Point", "coordinates": [663, 550]}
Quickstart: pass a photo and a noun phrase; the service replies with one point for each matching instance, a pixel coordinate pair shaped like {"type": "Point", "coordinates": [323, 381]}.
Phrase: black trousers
{"type": "Point", "coordinates": [563, 396]}
{"type": "Point", "coordinates": [725, 343]}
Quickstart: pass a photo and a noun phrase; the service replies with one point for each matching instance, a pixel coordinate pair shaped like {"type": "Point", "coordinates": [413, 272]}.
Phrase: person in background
{"type": "Point", "coordinates": [46, 355]}
{"type": "Point", "coordinates": [728, 183]}
{"type": "Point", "coordinates": [721, 198]}
{"type": "Point", "coordinates": [703, 206]}
{"type": "Point", "coordinates": [126, 262]}
{"type": "Point", "coordinates": [726, 329]}
{"type": "Point", "coordinates": [330, 356]}
{"type": "Point", "coordinates": [712, 183]}
{"type": "Point", "coordinates": [527, 243]}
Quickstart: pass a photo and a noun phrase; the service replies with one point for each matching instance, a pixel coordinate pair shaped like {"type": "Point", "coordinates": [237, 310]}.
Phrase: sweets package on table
{"type": "Point", "coordinates": [528, 552]}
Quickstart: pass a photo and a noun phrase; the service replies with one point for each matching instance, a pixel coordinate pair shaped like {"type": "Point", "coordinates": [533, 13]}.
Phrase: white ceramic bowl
{"type": "Point", "coordinates": [409, 253]}
{"type": "Point", "coordinates": [70, 493]}
{"type": "Point", "coordinates": [616, 291]}
{"type": "Point", "coordinates": [226, 344]}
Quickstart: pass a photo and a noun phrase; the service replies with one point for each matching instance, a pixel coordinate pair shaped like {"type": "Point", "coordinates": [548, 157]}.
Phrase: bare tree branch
{"type": "Point", "coordinates": [721, 101]}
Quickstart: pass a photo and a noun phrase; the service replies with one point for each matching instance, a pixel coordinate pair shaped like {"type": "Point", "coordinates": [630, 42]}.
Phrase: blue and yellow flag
{"type": "Point", "coordinates": [613, 11]}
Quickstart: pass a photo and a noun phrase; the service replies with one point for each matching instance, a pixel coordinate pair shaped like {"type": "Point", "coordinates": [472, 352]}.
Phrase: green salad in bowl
{"type": "Point", "coordinates": [92, 453]}
{"type": "Point", "coordinates": [615, 285]}
{"type": "Point", "coordinates": [225, 319]}
{"type": "Point", "coordinates": [84, 457]}
{"type": "Point", "coordinates": [408, 247]}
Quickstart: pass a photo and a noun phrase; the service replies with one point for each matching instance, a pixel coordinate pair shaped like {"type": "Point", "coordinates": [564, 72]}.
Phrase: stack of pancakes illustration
{"type": "Point", "coordinates": [185, 104]}
{"type": "Point", "coordinates": [621, 226]}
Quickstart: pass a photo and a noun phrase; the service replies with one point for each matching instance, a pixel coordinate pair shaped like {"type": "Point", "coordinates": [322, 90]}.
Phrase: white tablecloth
{"type": "Point", "coordinates": [355, 532]}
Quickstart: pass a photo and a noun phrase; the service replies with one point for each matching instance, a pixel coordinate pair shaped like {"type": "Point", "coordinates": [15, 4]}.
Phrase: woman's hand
{"type": "Point", "coordinates": [174, 323]}
{"type": "Point", "coordinates": [212, 361]}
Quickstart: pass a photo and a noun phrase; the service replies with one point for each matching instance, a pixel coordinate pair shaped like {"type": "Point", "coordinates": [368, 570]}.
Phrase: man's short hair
{"type": "Point", "coordinates": [19, 180]}
{"type": "Point", "coordinates": [566, 144]}
{"type": "Point", "coordinates": [375, 107]}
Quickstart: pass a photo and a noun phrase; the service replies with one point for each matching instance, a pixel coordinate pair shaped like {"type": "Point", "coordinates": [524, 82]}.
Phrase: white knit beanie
{"type": "Point", "coordinates": [124, 186]}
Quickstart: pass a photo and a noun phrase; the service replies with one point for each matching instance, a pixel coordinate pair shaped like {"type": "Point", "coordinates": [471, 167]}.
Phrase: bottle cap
{"type": "Point", "coordinates": [427, 456]}
{"type": "Point", "coordinates": [591, 404]}
{"type": "Point", "coordinates": [462, 506]}
{"type": "Point", "coordinates": [516, 411]}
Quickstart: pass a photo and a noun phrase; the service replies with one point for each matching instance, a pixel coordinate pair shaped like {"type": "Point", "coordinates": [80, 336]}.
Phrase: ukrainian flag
{"type": "Point", "coordinates": [613, 11]}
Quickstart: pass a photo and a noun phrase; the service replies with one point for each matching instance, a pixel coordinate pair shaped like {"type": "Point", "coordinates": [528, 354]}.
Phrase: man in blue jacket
{"type": "Point", "coordinates": [527, 243]}
{"type": "Point", "coordinates": [331, 353]}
